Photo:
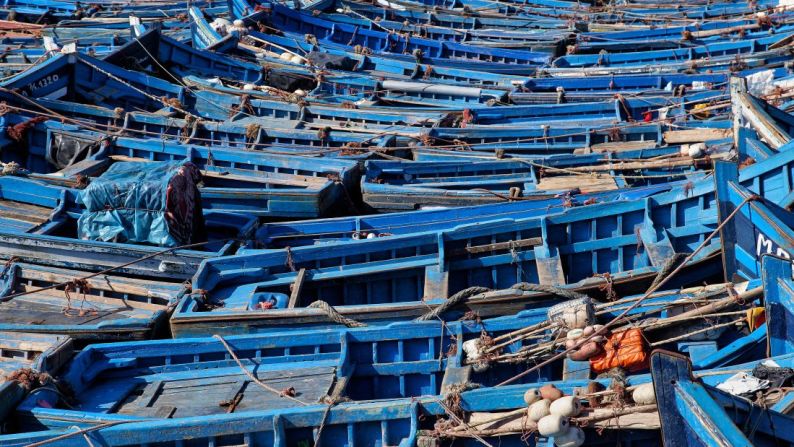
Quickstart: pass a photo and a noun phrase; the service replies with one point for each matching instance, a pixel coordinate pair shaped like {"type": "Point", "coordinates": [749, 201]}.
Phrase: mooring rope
{"type": "Point", "coordinates": [334, 315]}
{"type": "Point", "coordinates": [252, 376]}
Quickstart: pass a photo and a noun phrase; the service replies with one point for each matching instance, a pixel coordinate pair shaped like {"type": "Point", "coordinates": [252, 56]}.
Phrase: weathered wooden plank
{"type": "Point", "coordinates": [296, 288]}
{"type": "Point", "coordinates": [699, 135]}
{"type": "Point", "coordinates": [584, 183]}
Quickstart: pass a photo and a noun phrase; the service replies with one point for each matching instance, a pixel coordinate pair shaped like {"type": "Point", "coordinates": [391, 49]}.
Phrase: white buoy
{"type": "Point", "coordinates": [696, 150]}
{"type": "Point", "coordinates": [472, 349]}
{"type": "Point", "coordinates": [248, 87]}
{"type": "Point", "coordinates": [587, 331]}
{"type": "Point", "coordinates": [553, 425]}
{"type": "Point", "coordinates": [566, 406]}
{"type": "Point", "coordinates": [539, 409]}
{"type": "Point", "coordinates": [286, 57]}
{"type": "Point", "coordinates": [531, 396]}
{"type": "Point", "coordinates": [296, 59]}
{"type": "Point", "coordinates": [574, 437]}
{"type": "Point", "coordinates": [300, 93]}
{"type": "Point", "coordinates": [573, 334]}
{"type": "Point", "coordinates": [644, 394]}
{"type": "Point", "coordinates": [221, 26]}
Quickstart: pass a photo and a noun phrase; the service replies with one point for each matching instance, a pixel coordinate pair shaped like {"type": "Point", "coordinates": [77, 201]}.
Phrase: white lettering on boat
{"type": "Point", "coordinates": [764, 245]}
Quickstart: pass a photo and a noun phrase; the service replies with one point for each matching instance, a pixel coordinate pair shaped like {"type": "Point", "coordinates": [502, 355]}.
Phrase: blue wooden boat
{"type": "Point", "coordinates": [152, 49]}
{"type": "Point", "coordinates": [357, 91]}
{"type": "Point", "coordinates": [604, 113]}
{"type": "Point", "coordinates": [425, 51]}
{"type": "Point", "coordinates": [236, 135]}
{"type": "Point", "coordinates": [230, 76]}
{"type": "Point", "coordinates": [33, 207]}
{"type": "Point", "coordinates": [699, 414]}
{"type": "Point", "coordinates": [586, 89]}
{"type": "Point", "coordinates": [539, 142]}
{"type": "Point", "coordinates": [309, 232]}
{"type": "Point", "coordinates": [667, 35]}
{"type": "Point", "coordinates": [394, 272]}
{"type": "Point", "coordinates": [644, 143]}
{"type": "Point", "coordinates": [761, 227]}
{"type": "Point", "coordinates": [454, 19]}
{"type": "Point", "coordinates": [106, 85]}
{"type": "Point", "coordinates": [403, 360]}
{"type": "Point", "coordinates": [712, 52]}
{"type": "Point", "coordinates": [47, 12]}
{"type": "Point", "coordinates": [527, 40]}
{"type": "Point", "coordinates": [403, 185]}
{"type": "Point", "coordinates": [247, 183]}
{"type": "Point", "coordinates": [45, 216]}
{"type": "Point", "coordinates": [402, 422]}
{"type": "Point", "coordinates": [378, 64]}
{"type": "Point", "coordinates": [105, 307]}
{"type": "Point", "coordinates": [380, 424]}
{"type": "Point", "coordinates": [40, 352]}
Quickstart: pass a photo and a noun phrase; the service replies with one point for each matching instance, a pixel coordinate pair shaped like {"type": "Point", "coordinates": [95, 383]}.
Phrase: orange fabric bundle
{"type": "Point", "coordinates": [625, 349]}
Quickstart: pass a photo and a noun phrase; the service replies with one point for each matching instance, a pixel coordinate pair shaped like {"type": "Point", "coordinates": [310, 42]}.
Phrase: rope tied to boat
{"type": "Point", "coordinates": [567, 294]}
{"type": "Point", "coordinates": [601, 56]}
{"type": "Point", "coordinates": [77, 285]}
{"type": "Point", "coordinates": [360, 49]}
{"type": "Point", "coordinates": [281, 393]}
{"type": "Point", "coordinates": [452, 302]}
{"type": "Point", "coordinates": [30, 379]}
{"type": "Point", "coordinates": [110, 269]}
{"type": "Point", "coordinates": [331, 400]}
{"type": "Point", "coordinates": [464, 295]}
{"type": "Point", "coordinates": [608, 286]}
{"type": "Point", "coordinates": [19, 131]}
{"type": "Point", "coordinates": [244, 107]}
{"type": "Point", "coordinates": [668, 267]}
{"type": "Point", "coordinates": [452, 398]}
{"type": "Point", "coordinates": [251, 133]}
{"type": "Point", "coordinates": [174, 103]}
{"type": "Point", "coordinates": [334, 315]}
{"type": "Point", "coordinates": [428, 72]}
{"type": "Point", "coordinates": [10, 168]}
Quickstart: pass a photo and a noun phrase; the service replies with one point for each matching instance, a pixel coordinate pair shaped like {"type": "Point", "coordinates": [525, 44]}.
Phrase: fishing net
{"type": "Point", "coordinates": [154, 203]}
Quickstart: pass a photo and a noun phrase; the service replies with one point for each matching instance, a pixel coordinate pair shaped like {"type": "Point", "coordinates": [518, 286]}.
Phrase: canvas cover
{"type": "Point", "coordinates": [154, 203]}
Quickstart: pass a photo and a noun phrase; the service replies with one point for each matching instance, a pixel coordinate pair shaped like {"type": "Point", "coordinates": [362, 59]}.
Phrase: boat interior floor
{"type": "Point", "coordinates": [22, 217]}
{"type": "Point", "coordinates": [198, 393]}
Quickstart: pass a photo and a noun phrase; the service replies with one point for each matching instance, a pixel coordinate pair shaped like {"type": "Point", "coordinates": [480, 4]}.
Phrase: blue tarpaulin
{"type": "Point", "coordinates": [144, 202]}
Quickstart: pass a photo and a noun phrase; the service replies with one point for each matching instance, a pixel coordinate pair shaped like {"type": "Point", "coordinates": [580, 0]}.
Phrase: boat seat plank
{"type": "Point", "coordinates": [585, 183]}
